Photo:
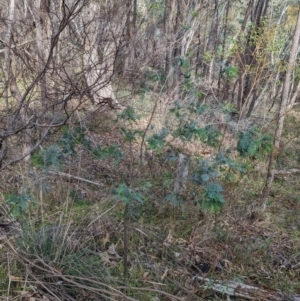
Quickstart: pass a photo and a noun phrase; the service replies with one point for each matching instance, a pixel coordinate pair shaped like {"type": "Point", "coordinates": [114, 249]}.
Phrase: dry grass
{"type": "Point", "coordinates": [168, 245]}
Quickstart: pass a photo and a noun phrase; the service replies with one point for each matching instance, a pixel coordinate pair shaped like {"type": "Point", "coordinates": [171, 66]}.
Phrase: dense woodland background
{"type": "Point", "coordinates": [149, 150]}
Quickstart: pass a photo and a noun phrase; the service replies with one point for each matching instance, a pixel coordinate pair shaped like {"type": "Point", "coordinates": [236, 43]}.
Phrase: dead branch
{"type": "Point", "coordinates": [237, 289]}
{"type": "Point", "coordinates": [285, 172]}
{"type": "Point", "coordinates": [58, 173]}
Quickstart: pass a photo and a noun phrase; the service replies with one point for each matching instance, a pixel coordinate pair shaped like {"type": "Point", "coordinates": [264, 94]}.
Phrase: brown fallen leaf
{"type": "Point", "coordinates": [168, 240]}
{"type": "Point", "coordinates": [106, 239]}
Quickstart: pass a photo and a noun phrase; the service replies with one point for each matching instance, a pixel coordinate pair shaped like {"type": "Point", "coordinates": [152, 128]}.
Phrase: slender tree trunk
{"type": "Point", "coordinates": [294, 96]}
{"type": "Point", "coordinates": [170, 32]}
{"type": "Point", "coordinates": [99, 72]}
{"type": "Point", "coordinates": [39, 14]}
{"type": "Point", "coordinates": [211, 46]}
{"type": "Point", "coordinates": [128, 37]}
{"type": "Point", "coordinates": [131, 34]}
{"type": "Point", "coordinates": [282, 111]}
{"type": "Point", "coordinates": [252, 78]}
{"type": "Point", "coordinates": [226, 84]}
{"type": "Point", "coordinates": [240, 82]}
{"type": "Point", "coordinates": [12, 84]}
{"type": "Point", "coordinates": [134, 28]}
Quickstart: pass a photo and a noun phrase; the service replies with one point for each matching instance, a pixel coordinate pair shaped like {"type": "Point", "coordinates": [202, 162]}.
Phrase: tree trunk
{"type": "Point", "coordinates": [282, 111]}
{"type": "Point", "coordinates": [98, 72]}
{"type": "Point", "coordinates": [294, 97]}
{"type": "Point", "coordinates": [41, 20]}
{"type": "Point", "coordinates": [253, 78]}
{"type": "Point", "coordinates": [12, 84]}
{"type": "Point", "coordinates": [170, 33]}
{"type": "Point", "coordinates": [182, 175]}
{"type": "Point", "coordinates": [211, 45]}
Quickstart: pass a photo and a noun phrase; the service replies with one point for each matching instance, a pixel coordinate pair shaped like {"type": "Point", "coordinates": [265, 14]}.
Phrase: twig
{"type": "Point", "coordinates": [9, 278]}
{"type": "Point", "coordinates": [98, 217]}
{"type": "Point", "coordinates": [146, 130]}
{"type": "Point", "coordinates": [145, 289]}
{"type": "Point", "coordinates": [58, 173]}
{"type": "Point", "coordinates": [108, 290]}
{"type": "Point", "coordinates": [286, 171]}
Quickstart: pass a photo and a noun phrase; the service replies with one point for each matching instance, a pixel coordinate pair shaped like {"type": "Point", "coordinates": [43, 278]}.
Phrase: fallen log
{"type": "Point", "coordinates": [237, 289]}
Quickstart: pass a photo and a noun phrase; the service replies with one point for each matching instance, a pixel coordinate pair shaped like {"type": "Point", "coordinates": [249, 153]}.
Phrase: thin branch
{"type": "Point", "coordinates": [250, 292]}
{"type": "Point", "coordinates": [58, 173]}
{"type": "Point", "coordinates": [284, 172]}
{"type": "Point", "coordinates": [14, 46]}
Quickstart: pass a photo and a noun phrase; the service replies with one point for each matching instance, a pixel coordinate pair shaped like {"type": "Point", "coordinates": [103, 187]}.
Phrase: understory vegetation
{"type": "Point", "coordinates": [149, 174]}
{"type": "Point", "coordinates": [94, 213]}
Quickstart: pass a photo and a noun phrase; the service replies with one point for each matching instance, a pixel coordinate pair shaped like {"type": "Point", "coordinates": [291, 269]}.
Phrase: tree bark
{"type": "Point", "coordinates": [253, 78]}
{"type": "Point", "coordinates": [294, 97]}
{"type": "Point", "coordinates": [12, 84]}
{"type": "Point", "coordinates": [39, 14]}
{"type": "Point", "coordinates": [282, 111]}
{"type": "Point", "coordinates": [98, 73]}
{"type": "Point", "coordinates": [170, 33]}
{"type": "Point", "coordinates": [182, 175]}
{"type": "Point", "coordinates": [211, 45]}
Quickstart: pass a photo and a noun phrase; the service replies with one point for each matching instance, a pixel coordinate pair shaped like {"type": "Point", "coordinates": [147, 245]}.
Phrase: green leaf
{"type": "Point", "coordinates": [173, 198]}
{"type": "Point", "coordinates": [214, 187]}
{"type": "Point", "coordinates": [157, 141]}
{"type": "Point", "coordinates": [213, 198]}
{"type": "Point", "coordinates": [230, 72]}
{"type": "Point", "coordinates": [266, 144]}
{"type": "Point", "coordinates": [195, 14]}
{"type": "Point", "coordinates": [37, 160]}
{"type": "Point", "coordinates": [129, 115]}
{"type": "Point", "coordinates": [127, 195]}
{"type": "Point", "coordinates": [251, 143]}
{"type": "Point", "coordinates": [48, 157]}
{"type": "Point", "coordinates": [253, 148]}
{"type": "Point", "coordinates": [123, 193]}
{"type": "Point", "coordinates": [130, 135]}
{"type": "Point", "coordinates": [201, 134]}
{"type": "Point", "coordinates": [138, 197]}
{"type": "Point", "coordinates": [244, 142]}
{"type": "Point", "coordinates": [205, 177]}
{"type": "Point", "coordinates": [213, 135]}
{"type": "Point", "coordinates": [205, 170]}
{"type": "Point", "coordinates": [230, 177]}
{"type": "Point", "coordinates": [18, 203]}
{"type": "Point", "coordinates": [189, 130]}
{"type": "Point", "coordinates": [110, 151]}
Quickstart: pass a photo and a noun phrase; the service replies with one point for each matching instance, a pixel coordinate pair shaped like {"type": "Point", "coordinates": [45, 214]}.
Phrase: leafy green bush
{"type": "Point", "coordinates": [230, 72]}
{"type": "Point", "coordinates": [18, 204]}
{"type": "Point", "coordinates": [213, 198]}
{"type": "Point", "coordinates": [47, 157]}
{"type": "Point", "coordinates": [54, 155]}
{"type": "Point", "coordinates": [253, 144]}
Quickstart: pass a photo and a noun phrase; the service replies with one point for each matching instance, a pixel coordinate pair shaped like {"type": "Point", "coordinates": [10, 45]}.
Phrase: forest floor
{"type": "Point", "coordinates": [62, 228]}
